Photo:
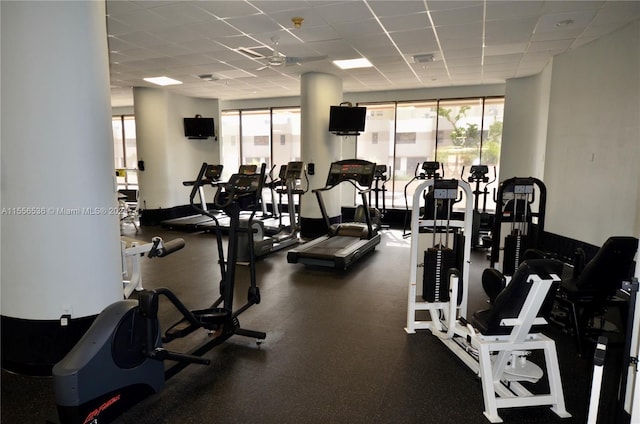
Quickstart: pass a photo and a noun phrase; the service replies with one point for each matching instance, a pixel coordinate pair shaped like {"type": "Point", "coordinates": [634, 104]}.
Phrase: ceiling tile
{"type": "Point", "coordinates": [459, 16]}
{"type": "Point", "coordinates": [228, 8]}
{"type": "Point", "coordinates": [189, 38]}
{"type": "Point", "coordinates": [406, 22]}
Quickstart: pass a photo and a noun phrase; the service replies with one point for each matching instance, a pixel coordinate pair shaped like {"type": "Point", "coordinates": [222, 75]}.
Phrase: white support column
{"type": "Point", "coordinates": [60, 233]}
{"type": "Point", "coordinates": [156, 182]}
{"type": "Point", "coordinates": [318, 92]}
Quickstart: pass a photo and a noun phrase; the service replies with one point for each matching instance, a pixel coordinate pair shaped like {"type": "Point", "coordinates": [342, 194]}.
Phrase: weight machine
{"type": "Point", "coordinates": [494, 343]}
{"type": "Point", "coordinates": [520, 213]}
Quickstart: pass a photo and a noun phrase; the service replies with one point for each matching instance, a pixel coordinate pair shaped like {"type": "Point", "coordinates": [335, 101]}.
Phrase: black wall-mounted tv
{"type": "Point", "coordinates": [347, 120]}
{"type": "Point", "coordinates": [198, 127]}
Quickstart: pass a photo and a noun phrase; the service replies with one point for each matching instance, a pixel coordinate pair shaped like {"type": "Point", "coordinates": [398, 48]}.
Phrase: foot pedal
{"type": "Point", "coordinates": [212, 316]}
{"type": "Point", "coordinates": [519, 369]}
{"type": "Point", "coordinates": [178, 330]}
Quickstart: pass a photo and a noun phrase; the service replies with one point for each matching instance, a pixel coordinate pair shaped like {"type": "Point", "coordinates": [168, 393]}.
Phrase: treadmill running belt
{"type": "Point", "coordinates": [329, 247]}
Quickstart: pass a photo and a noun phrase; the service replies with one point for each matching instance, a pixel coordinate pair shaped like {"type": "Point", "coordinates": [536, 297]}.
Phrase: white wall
{"type": "Point", "coordinates": [524, 133]}
{"type": "Point", "coordinates": [169, 157]}
{"type": "Point", "coordinates": [593, 139]}
{"type": "Point", "coordinates": [186, 155]}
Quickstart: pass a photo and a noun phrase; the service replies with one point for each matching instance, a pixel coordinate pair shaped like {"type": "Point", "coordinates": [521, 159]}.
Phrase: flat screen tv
{"type": "Point", "coordinates": [198, 128]}
{"type": "Point", "coordinates": [347, 120]}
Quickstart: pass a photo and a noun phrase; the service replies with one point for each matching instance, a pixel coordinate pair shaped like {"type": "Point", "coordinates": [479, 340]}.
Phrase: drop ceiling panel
{"type": "Point", "coordinates": [406, 22]}
{"type": "Point", "coordinates": [340, 12]}
{"type": "Point", "coordinates": [510, 10]}
{"type": "Point", "coordinates": [385, 9]}
{"type": "Point", "coordinates": [188, 38]}
{"type": "Point", "coordinates": [254, 24]}
{"type": "Point", "coordinates": [228, 8]}
{"type": "Point", "coordinates": [463, 15]}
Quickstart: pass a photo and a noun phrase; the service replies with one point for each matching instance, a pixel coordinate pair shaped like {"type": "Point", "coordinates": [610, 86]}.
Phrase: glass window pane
{"type": "Point", "coordinates": [286, 136]}
{"type": "Point", "coordinates": [375, 144]}
{"type": "Point", "coordinates": [230, 147]}
{"type": "Point", "coordinates": [491, 142]}
{"type": "Point", "coordinates": [459, 125]}
{"type": "Point", "coordinates": [415, 143]}
{"type": "Point", "coordinates": [118, 149]}
{"type": "Point", "coordinates": [131, 151]}
{"type": "Point", "coordinates": [256, 129]}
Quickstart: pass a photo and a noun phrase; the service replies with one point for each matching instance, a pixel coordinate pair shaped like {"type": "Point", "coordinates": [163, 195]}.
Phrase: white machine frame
{"type": "Point", "coordinates": [133, 281]}
{"type": "Point", "coordinates": [499, 360]}
{"type": "Point", "coordinates": [415, 301]}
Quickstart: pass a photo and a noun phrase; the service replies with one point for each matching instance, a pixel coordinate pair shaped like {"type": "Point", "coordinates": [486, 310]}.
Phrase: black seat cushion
{"type": "Point", "coordinates": [493, 282]}
{"type": "Point", "coordinates": [603, 274]}
{"type": "Point", "coordinates": [510, 300]}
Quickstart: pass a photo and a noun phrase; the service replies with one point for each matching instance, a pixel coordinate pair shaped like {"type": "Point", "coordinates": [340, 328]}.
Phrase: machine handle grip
{"type": "Point", "coordinates": [170, 247]}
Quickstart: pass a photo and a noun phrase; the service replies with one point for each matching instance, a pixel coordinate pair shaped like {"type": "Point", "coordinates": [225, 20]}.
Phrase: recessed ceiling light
{"type": "Point", "coordinates": [353, 63]}
{"type": "Point", "coordinates": [162, 81]}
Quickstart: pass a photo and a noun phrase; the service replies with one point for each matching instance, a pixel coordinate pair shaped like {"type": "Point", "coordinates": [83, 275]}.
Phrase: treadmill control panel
{"type": "Point", "coordinates": [359, 171]}
{"type": "Point", "coordinates": [294, 170]}
{"type": "Point", "coordinates": [213, 173]}
{"type": "Point", "coordinates": [243, 183]}
{"type": "Point", "coordinates": [380, 171]}
{"type": "Point", "coordinates": [248, 169]}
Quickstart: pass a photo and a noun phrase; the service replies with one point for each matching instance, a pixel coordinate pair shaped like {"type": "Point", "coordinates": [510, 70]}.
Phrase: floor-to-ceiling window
{"type": "Point", "coordinates": [376, 142]}
{"type": "Point", "coordinates": [230, 143]}
{"type": "Point", "coordinates": [457, 133]}
{"type": "Point", "coordinates": [285, 144]}
{"type": "Point", "coordinates": [415, 143]}
{"type": "Point", "coordinates": [253, 137]}
{"type": "Point", "coordinates": [256, 137]}
{"type": "Point", "coordinates": [125, 151]}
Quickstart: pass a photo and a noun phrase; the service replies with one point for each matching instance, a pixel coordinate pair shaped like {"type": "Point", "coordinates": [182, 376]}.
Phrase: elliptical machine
{"type": "Point", "coordinates": [478, 175]}
{"type": "Point", "coordinates": [431, 170]}
{"type": "Point", "coordinates": [380, 178]}
{"type": "Point", "coordinates": [120, 360]}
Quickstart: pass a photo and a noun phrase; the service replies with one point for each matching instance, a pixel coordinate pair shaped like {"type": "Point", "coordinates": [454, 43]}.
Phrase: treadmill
{"type": "Point", "coordinates": [190, 223]}
{"type": "Point", "coordinates": [345, 243]}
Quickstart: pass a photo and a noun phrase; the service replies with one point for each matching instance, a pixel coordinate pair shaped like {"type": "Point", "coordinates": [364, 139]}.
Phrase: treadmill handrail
{"type": "Point", "coordinates": [327, 188]}
{"type": "Point", "coordinates": [365, 204]}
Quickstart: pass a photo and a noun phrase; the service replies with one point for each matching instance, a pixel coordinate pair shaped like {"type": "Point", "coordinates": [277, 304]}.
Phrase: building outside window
{"type": "Point", "coordinates": [125, 151]}
{"type": "Point", "coordinates": [402, 135]}
{"type": "Point", "coordinates": [230, 145]}
{"type": "Point", "coordinates": [456, 133]}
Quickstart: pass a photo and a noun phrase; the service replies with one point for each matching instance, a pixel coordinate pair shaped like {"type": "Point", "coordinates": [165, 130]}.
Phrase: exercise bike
{"type": "Point", "coordinates": [120, 360]}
